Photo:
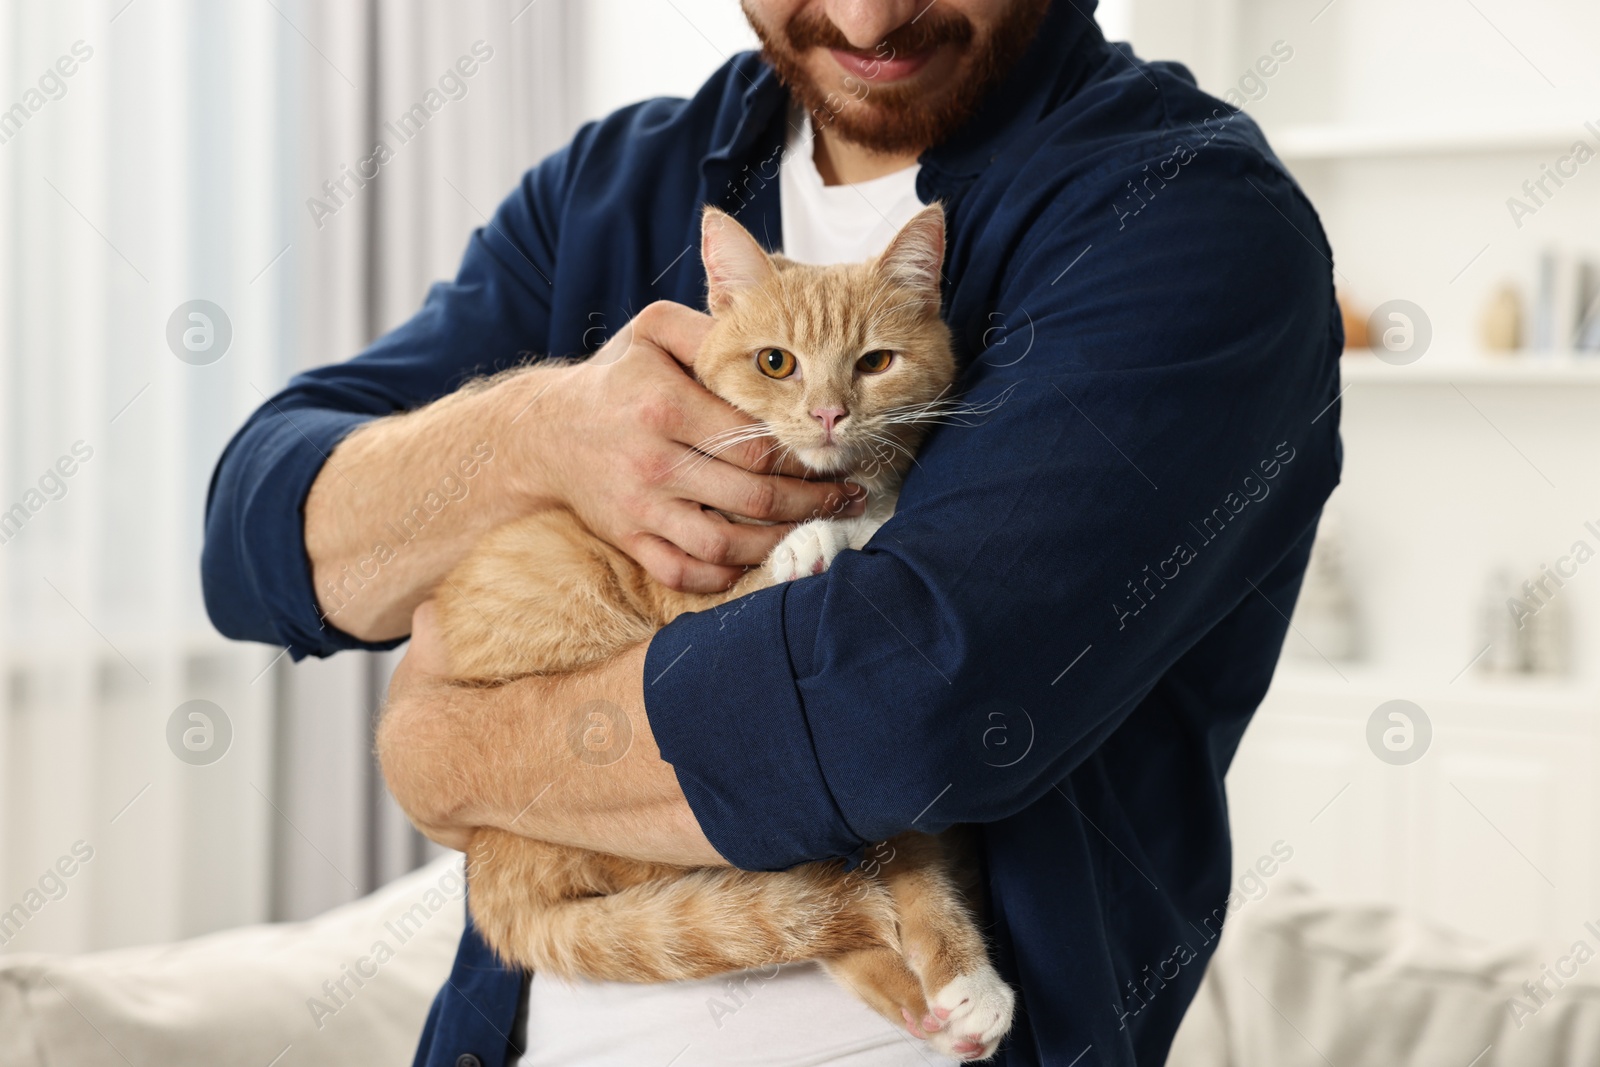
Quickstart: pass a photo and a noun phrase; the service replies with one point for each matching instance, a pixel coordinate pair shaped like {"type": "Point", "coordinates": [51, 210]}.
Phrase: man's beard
{"type": "Point", "coordinates": [901, 118]}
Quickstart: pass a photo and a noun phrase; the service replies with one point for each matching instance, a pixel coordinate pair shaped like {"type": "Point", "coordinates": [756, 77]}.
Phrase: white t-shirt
{"type": "Point", "coordinates": [838, 223]}
{"type": "Point", "coordinates": [790, 1016]}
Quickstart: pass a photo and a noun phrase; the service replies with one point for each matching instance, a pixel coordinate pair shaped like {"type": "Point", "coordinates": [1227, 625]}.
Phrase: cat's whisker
{"type": "Point", "coordinates": [724, 446]}
{"type": "Point", "coordinates": [692, 456]}
{"type": "Point", "coordinates": [736, 434]}
{"type": "Point", "coordinates": [891, 443]}
{"type": "Point", "coordinates": [704, 450]}
{"type": "Point", "coordinates": [894, 447]}
{"type": "Point", "coordinates": [748, 434]}
{"type": "Point", "coordinates": [718, 443]}
{"type": "Point", "coordinates": [702, 460]}
{"type": "Point", "coordinates": [947, 412]}
{"type": "Point", "coordinates": [785, 453]}
{"type": "Point", "coordinates": [775, 447]}
{"type": "Point", "coordinates": [931, 421]}
{"type": "Point", "coordinates": [699, 459]}
{"type": "Point", "coordinates": [943, 399]}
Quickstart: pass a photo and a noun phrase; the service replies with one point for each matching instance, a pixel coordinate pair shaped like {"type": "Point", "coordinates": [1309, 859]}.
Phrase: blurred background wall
{"type": "Point", "coordinates": [1448, 573]}
{"type": "Point", "coordinates": [182, 160]}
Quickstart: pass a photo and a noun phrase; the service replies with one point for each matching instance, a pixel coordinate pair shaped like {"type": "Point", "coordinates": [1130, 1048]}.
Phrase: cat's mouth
{"type": "Point", "coordinates": [825, 458]}
{"type": "Point", "coordinates": [842, 459]}
{"type": "Point", "coordinates": [828, 457]}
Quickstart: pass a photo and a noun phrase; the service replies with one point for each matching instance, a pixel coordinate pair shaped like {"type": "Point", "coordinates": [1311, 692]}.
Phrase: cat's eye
{"type": "Point", "coordinates": [775, 362]}
{"type": "Point", "coordinates": [875, 362]}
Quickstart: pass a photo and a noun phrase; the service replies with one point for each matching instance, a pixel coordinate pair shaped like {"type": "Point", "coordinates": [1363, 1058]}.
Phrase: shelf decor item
{"type": "Point", "coordinates": [1526, 629]}
{"type": "Point", "coordinates": [1545, 304]}
{"type": "Point", "coordinates": [1325, 615]}
{"type": "Point", "coordinates": [1500, 328]}
{"type": "Point", "coordinates": [1355, 323]}
{"type": "Point", "coordinates": [1498, 627]}
{"type": "Point", "coordinates": [1544, 639]}
{"type": "Point", "coordinates": [1586, 331]}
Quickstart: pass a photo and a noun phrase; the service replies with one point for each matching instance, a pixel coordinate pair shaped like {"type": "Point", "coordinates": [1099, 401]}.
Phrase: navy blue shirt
{"type": "Point", "coordinates": [1067, 625]}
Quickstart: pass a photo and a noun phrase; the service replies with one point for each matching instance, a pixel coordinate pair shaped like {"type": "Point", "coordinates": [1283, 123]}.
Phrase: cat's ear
{"type": "Point", "coordinates": [915, 255]}
{"type": "Point", "coordinates": [733, 259]}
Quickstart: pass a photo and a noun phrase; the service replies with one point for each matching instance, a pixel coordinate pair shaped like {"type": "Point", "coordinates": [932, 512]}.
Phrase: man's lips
{"type": "Point", "coordinates": [881, 69]}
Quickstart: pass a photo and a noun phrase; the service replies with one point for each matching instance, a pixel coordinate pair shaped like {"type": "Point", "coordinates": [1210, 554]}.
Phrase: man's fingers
{"type": "Point", "coordinates": [766, 497]}
{"type": "Point", "coordinates": [674, 328]}
{"type": "Point", "coordinates": [742, 443]}
{"type": "Point", "coordinates": [703, 421]}
{"type": "Point", "coordinates": [676, 569]}
{"type": "Point", "coordinates": [710, 538]}
{"type": "Point", "coordinates": [707, 423]}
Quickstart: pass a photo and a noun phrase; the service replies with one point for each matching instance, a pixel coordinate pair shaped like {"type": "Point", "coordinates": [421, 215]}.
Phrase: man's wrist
{"type": "Point", "coordinates": [523, 413]}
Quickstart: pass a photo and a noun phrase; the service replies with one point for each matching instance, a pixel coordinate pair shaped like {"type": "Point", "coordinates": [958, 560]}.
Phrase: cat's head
{"type": "Point", "coordinates": [840, 362]}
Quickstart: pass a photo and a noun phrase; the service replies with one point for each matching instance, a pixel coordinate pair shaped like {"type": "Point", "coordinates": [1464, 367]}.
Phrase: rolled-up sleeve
{"type": "Point", "coordinates": [1145, 443]}
{"type": "Point", "coordinates": [255, 573]}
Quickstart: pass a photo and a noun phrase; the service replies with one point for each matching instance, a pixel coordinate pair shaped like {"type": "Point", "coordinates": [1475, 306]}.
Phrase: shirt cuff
{"type": "Point", "coordinates": [261, 494]}
{"type": "Point", "coordinates": [719, 690]}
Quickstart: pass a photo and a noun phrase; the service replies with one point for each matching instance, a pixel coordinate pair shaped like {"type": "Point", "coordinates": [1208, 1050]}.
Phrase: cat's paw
{"type": "Point", "coordinates": [808, 549]}
{"type": "Point", "coordinates": [975, 1011]}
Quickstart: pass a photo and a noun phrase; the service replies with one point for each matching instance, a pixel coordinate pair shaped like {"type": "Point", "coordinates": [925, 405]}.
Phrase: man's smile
{"type": "Point", "coordinates": [882, 69]}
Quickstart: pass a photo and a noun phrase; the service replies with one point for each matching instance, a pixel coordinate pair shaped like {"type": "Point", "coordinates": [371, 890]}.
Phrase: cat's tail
{"type": "Point", "coordinates": [701, 923]}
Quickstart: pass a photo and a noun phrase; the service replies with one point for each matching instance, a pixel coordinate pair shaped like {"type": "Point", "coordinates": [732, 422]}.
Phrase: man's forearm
{"type": "Point", "coordinates": [569, 760]}
{"type": "Point", "coordinates": [401, 500]}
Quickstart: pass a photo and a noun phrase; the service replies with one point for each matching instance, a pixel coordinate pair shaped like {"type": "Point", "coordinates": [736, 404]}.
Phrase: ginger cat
{"type": "Point", "coordinates": [845, 366]}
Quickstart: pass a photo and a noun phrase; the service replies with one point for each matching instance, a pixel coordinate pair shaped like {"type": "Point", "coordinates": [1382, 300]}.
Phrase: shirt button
{"type": "Point", "coordinates": [467, 1059]}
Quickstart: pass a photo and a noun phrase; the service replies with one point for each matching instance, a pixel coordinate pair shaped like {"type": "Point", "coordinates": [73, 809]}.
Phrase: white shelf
{"type": "Point", "coordinates": [1365, 684]}
{"type": "Point", "coordinates": [1296, 143]}
{"type": "Point", "coordinates": [1536, 369]}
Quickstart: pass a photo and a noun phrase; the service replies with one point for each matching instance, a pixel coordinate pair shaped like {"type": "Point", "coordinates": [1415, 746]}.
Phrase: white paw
{"type": "Point", "coordinates": [808, 549]}
{"type": "Point", "coordinates": [976, 1009]}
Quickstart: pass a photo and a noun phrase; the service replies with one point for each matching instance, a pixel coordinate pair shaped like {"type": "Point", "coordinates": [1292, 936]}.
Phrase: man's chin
{"type": "Point", "coordinates": [900, 115]}
{"type": "Point", "coordinates": [886, 128]}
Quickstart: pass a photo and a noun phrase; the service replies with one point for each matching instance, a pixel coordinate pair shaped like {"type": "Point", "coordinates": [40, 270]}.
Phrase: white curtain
{"type": "Point", "coordinates": [154, 153]}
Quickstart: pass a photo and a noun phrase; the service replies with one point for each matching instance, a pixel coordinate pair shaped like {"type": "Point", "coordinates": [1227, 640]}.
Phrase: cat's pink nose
{"type": "Point", "coordinates": [829, 417]}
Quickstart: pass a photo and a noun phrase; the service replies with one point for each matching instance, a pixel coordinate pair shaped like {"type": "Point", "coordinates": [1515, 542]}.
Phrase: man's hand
{"type": "Point", "coordinates": [524, 757]}
{"type": "Point", "coordinates": [614, 439]}
{"type": "Point", "coordinates": [621, 447]}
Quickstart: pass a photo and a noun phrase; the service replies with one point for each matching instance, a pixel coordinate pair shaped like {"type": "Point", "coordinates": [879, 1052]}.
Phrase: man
{"type": "Point", "coordinates": [1060, 636]}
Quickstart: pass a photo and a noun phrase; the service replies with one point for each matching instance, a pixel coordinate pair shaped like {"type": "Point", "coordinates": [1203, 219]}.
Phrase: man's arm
{"type": "Point", "coordinates": [452, 471]}
{"type": "Point", "coordinates": [510, 757]}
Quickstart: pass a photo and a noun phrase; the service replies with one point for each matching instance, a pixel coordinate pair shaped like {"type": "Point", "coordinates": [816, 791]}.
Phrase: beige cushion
{"type": "Point", "coordinates": [246, 996]}
{"type": "Point", "coordinates": [1300, 982]}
